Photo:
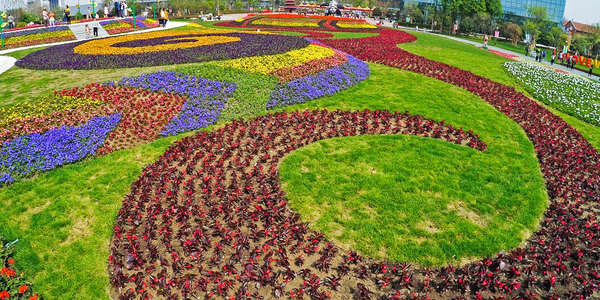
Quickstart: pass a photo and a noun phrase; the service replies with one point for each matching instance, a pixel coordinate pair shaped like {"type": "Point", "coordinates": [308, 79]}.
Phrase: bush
{"type": "Point", "coordinates": [12, 285]}
{"type": "Point", "coordinates": [377, 12]}
{"type": "Point", "coordinates": [467, 25]}
{"type": "Point", "coordinates": [21, 24]}
{"type": "Point", "coordinates": [512, 31]}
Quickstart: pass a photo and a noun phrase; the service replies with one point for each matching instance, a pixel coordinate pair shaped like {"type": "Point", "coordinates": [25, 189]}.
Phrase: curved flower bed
{"type": "Point", "coordinates": [218, 227]}
{"type": "Point", "coordinates": [151, 50]}
{"type": "Point", "coordinates": [46, 35]}
{"type": "Point", "coordinates": [574, 95]}
{"type": "Point", "coordinates": [286, 22]}
{"type": "Point", "coordinates": [117, 26]}
{"type": "Point", "coordinates": [55, 147]}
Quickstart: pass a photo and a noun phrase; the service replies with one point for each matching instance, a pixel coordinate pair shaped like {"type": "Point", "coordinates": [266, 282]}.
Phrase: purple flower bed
{"type": "Point", "coordinates": [250, 45]}
{"type": "Point", "coordinates": [206, 98]}
{"type": "Point", "coordinates": [44, 151]}
{"type": "Point", "coordinates": [321, 84]}
{"type": "Point", "coordinates": [35, 31]}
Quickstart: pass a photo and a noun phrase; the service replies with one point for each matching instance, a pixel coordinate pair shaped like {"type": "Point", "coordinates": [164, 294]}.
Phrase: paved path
{"type": "Point", "coordinates": [6, 62]}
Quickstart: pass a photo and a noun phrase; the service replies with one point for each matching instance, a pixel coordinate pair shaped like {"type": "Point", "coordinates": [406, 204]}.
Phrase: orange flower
{"type": "Point", "coordinates": [34, 297]}
{"type": "Point", "coordinates": [10, 273]}
{"type": "Point", "coordinates": [22, 289]}
{"type": "Point", "coordinates": [11, 261]}
{"type": "Point", "coordinates": [4, 295]}
{"type": "Point", "coordinates": [3, 271]}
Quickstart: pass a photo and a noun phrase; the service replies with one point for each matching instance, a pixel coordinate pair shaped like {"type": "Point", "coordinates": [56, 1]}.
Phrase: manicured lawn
{"type": "Point", "coordinates": [481, 62]}
{"type": "Point", "coordinates": [417, 199]}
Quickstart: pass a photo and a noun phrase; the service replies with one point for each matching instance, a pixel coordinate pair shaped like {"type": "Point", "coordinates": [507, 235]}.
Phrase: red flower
{"type": "Point", "coordinates": [11, 261]}
{"type": "Point", "coordinates": [4, 295]}
{"type": "Point", "coordinates": [22, 289]}
{"type": "Point", "coordinates": [34, 297]}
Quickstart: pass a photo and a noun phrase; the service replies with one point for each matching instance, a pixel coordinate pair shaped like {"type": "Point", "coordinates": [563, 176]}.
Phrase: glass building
{"type": "Point", "coordinates": [516, 10]}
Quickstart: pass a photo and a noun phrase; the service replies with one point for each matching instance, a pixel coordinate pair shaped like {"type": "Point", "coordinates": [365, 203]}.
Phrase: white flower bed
{"type": "Point", "coordinates": [574, 95]}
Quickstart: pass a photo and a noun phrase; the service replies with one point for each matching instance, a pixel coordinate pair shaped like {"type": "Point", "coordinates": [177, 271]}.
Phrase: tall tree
{"type": "Point", "coordinates": [494, 8]}
{"type": "Point", "coordinates": [537, 22]}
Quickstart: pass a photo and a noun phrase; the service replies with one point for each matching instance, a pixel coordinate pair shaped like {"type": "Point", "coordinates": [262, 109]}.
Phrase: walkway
{"type": "Point", "coordinates": [6, 62]}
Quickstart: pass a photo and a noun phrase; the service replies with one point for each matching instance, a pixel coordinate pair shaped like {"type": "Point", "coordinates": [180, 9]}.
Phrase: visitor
{"type": "Point", "coordinates": [45, 17]}
{"type": "Point", "coordinates": [11, 21]}
{"type": "Point", "coordinates": [164, 16]}
{"type": "Point", "coordinates": [117, 9]}
{"type": "Point", "coordinates": [89, 14]}
{"type": "Point", "coordinates": [106, 12]}
{"type": "Point", "coordinates": [485, 41]}
{"type": "Point", "coordinates": [95, 26]}
{"type": "Point", "coordinates": [51, 15]}
{"type": "Point", "coordinates": [537, 55]}
{"type": "Point", "coordinates": [124, 9]}
{"type": "Point", "coordinates": [591, 70]}
{"type": "Point", "coordinates": [552, 59]}
{"type": "Point", "coordinates": [68, 14]}
{"type": "Point", "coordinates": [88, 31]}
{"type": "Point", "coordinates": [527, 50]}
{"type": "Point", "coordinates": [543, 56]}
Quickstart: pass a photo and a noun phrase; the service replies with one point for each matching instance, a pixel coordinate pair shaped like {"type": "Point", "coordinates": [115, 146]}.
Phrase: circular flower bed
{"type": "Point", "coordinates": [300, 22]}
{"type": "Point", "coordinates": [160, 48]}
{"type": "Point", "coordinates": [218, 225]}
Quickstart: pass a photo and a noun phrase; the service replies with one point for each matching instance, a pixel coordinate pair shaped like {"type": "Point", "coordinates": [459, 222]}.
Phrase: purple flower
{"type": "Point", "coordinates": [45, 151]}
{"type": "Point", "coordinates": [206, 97]}
{"type": "Point", "coordinates": [321, 84]}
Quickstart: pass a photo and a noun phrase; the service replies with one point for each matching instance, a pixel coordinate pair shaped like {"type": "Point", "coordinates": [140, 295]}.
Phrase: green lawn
{"type": "Point", "coordinates": [64, 217]}
{"type": "Point", "coordinates": [481, 62]}
{"type": "Point", "coordinates": [417, 199]}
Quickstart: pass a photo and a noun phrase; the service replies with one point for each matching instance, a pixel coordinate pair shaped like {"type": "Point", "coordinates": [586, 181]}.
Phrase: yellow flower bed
{"type": "Point", "coordinates": [116, 25]}
{"type": "Point", "coordinates": [271, 63]}
{"type": "Point", "coordinates": [240, 20]}
{"type": "Point", "coordinates": [355, 25]}
{"type": "Point", "coordinates": [38, 36]}
{"type": "Point", "coordinates": [105, 46]}
{"type": "Point", "coordinates": [280, 23]}
{"type": "Point", "coordinates": [42, 107]}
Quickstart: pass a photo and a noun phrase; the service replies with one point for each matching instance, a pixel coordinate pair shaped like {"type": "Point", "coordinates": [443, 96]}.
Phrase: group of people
{"type": "Point", "coordinates": [120, 10]}
{"type": "Point", "coordinates": [48, 17]}
{"type": "Point", "coordinates": [569, 60]}
{"type": "Point", "coordinates": [163, 17]}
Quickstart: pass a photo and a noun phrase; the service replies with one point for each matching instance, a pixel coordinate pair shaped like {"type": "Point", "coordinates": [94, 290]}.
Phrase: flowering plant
{"type": "Point", "coordinates": [12, 284]}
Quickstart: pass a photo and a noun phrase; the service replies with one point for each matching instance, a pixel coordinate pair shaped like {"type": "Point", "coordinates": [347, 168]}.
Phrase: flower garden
{"type": "Point", "coordinates": [243, 196]}
{"type": "Point", "coordinates": [117, 26]}
{"type": "Point", "coordinates": [45, 35]}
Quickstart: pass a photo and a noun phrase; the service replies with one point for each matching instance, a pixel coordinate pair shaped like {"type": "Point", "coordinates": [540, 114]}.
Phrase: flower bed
{"type": "Point", "coordinates": [41, 152]}
{"type": "Point", "coordinates": [321, 84]}
{"type": "Point", "coordinates": [160, 48]}
{"type": "Point", "coordinates": [116, 26]}
{"type": "Point", "coordinates": [285, 22]}
{"type": "Point", "coordinates": [219, 226]}
{"type": "Point", "coordinates": [574, 95]}
{"type": "Point", "coordinates": [38, 36]}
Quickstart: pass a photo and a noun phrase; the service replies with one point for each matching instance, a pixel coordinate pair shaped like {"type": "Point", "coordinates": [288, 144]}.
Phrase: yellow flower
{"type": "Point", "coordinates": [355, 25]}
{"type": "Point", "coordinates": [270, 63]}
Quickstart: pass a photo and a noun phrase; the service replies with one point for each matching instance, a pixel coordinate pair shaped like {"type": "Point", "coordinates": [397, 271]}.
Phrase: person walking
{"type": "Point", "coordinates": [106, 12]}
{"type": "Point", "coordinates": [45, 17]}
{"type": "Point", "coordinates": [591, 70]}
{"type": "Point", "coordinates": [124, 9]}
{"type": "Point", "coordinates": [552, 59]}
{"type": "Point", "coordinates": [68, 14]}
{"type": "Point", "coordinates": [11, 21]}
{"type": "Point", "coordinates": [117, 9]}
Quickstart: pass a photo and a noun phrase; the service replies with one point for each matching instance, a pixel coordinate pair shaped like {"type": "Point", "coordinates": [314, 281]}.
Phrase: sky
{"type": "Point", "coordinates": [583, 11]}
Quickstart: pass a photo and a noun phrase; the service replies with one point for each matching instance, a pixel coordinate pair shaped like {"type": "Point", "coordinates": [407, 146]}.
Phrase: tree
{"type": "Point", "coordinates": [377, 12]}
{"type": "Point", "coordinates": [512, 31]}
{"type": "Point", "coordinates": [580, 44]}
{"type": "Point", "coordinates": [494, 8]}
{"type": "Point", "coordinates": [483, 22]}
{"type": "Point", "coordinates": [238, 5]}
{"type": "Point", "coordinates": [537, 20]}
{"type": "Point", "coordinates": [414, 13]}
{"type": "Point", "coordinates": [467, 25]}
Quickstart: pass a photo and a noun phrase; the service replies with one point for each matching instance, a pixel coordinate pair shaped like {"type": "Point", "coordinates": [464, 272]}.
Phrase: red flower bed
{"type": "Point", "coordinates": [561, 259]}
{"type": "Point", "coordinates": [145, 113]}
{"type": "Point", "coordinates": [506, 55]}
{"type": "Point", "coordinates": [311, 67]}
{"type": "Point", "coordinates": [209, 219]}
{"type": "Point", "coordinates": [295, 16]}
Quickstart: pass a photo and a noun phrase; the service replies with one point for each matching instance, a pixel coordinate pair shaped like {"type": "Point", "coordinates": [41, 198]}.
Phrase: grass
{"type": "Point", "coordinates": [416, 199]}
{"type": "Point", "coordinates": [481, 62]}
{"type": "Point", "coordinates": [22, 53]}
{"type": "Point", "coordinates": [64, 219]}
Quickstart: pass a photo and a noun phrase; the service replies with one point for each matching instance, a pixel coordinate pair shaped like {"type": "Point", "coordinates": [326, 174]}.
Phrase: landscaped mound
{"type": "Point", "coordinates": [291, 22]}
{"type": "Point", "coordinates": [46, 35]}
{"type": "Point", "coordinates": [117, 26]}
{"type": "Point", "coordinates": [160, 48]}
{"type": "Point", "coordinates": [574, 95]}
{"type": "Point", "coordinates": [208, 220]}
{"type": "Point", "coordinates": [102, 118]}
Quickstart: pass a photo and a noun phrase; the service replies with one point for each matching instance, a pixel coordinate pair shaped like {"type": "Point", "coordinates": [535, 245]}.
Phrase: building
{"type": "Point", "coordinates": [576, 28]}
{"type": "Point", "coordinates": [516, 10]}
